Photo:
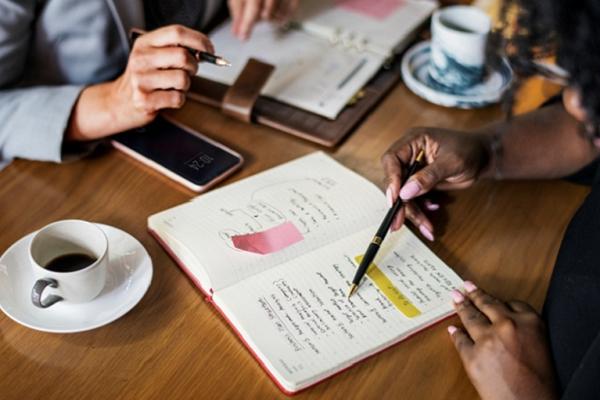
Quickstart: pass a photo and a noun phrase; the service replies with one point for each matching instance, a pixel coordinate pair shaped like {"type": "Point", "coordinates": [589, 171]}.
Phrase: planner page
{"type": "Point", "coordinates": [380, 26]}
{"type": "Point", "coordinates": [237, 231]}
{"type": "Point", "coordinates": [310, 73]}
{"type": "Point", "coordinates": [298, 320]}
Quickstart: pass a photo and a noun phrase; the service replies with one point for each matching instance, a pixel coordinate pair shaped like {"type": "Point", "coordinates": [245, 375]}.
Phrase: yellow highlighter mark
{"type": "Point", "coordinates": [390, 291]}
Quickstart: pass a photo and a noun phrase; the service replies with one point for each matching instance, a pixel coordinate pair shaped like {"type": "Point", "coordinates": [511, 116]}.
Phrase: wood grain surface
{"type": "Point", "coordinates": [173, 345]}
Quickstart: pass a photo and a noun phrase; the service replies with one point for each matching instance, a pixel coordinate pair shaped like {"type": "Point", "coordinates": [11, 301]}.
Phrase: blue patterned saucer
{"type": "Point", "coordinates": [415, 72]}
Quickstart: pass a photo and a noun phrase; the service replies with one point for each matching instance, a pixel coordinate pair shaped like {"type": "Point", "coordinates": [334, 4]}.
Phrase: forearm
{"type": "Point", "coordinates": [96, 114]}
{"type": "Point", "coordinates": [547, 143]}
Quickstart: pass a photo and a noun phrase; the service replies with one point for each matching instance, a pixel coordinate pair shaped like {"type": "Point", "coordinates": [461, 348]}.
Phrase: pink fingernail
{"type": "Point", "coordinates": [470, 286]}
{"type": "Point", "coordinates": [409, 190]}
{"type": "Point", "coordinates": [457, 296]}
{"type": "Point", "coordinates": [426, 232]}
{"type": "Point", "coordinates": [432, 207]}
{"type": "Point", "coordinates": [388, 195]}
{"type": "Point", "coordinates": [452, 329]}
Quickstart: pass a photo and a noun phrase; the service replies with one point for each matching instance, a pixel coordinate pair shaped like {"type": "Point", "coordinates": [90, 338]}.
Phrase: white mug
{"type": "Point", "coordinates": [71, 257]}
{"type": "Point", "coordinates": [458, 46]}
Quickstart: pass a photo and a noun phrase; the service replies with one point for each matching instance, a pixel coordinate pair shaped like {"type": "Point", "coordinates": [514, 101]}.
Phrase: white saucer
{"type": "Point", "coordinates": [415, 72]}
{"type": "Point", "coordinates": [127, 280]}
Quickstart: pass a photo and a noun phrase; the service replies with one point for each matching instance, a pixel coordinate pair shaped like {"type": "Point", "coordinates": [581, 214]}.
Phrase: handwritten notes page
{"type": "Point", "coordinates": [322, 199]}
{"type": "Point", "coordinates": [298, 320]}
{"type": "Point", "coordinates": [310, 73]}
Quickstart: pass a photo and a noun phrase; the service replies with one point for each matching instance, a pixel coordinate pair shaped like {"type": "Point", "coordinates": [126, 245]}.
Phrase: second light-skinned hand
{"type": "Point", "coordinates": [246, 13]}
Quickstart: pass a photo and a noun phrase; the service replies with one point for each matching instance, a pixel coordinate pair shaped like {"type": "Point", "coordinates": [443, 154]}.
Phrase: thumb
{"type": "Point", "coordinates": [423, 181]}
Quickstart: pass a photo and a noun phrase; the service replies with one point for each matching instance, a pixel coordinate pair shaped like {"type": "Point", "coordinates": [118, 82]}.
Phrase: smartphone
{"type": "Point", "coordinates": [181, 154]}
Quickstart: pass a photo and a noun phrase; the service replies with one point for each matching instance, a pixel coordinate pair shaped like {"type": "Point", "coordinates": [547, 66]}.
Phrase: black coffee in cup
{"type": "Point", "coordinates": [454, 26]}
{"type": "Point", "coordinates": [70, 262]}
{"type": "Point", "coordinates": [70, 256]}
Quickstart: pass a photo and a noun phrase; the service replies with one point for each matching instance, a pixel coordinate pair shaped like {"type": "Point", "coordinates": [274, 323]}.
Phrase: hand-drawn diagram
{"type": "Point", "coordinates": [304, 202]}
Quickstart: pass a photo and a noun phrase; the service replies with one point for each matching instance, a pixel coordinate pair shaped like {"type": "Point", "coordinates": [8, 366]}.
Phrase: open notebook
{"type": "Point", "coordinates": [334, 49]}
{"type": "Point", "coordinates": [289, 306]}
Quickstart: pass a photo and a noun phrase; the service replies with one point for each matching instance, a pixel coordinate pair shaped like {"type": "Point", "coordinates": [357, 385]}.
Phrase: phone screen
{"type": "Point", "coordinates": [181, 152]}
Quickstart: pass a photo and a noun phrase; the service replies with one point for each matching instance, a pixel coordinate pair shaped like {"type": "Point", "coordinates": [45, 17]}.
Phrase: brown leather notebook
{"type": "Point", "coordinates": [242, 101]}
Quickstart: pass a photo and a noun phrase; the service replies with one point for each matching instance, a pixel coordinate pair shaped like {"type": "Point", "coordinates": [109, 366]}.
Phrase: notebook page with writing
{"type": "Point", "coordinates": [381, 26]}
{"type": "Point", "coordinates": [322, 199]}
{"type": "Point", "coordinates": [309, 73]}
{"type": "Point", "coordinates": [298, 320]}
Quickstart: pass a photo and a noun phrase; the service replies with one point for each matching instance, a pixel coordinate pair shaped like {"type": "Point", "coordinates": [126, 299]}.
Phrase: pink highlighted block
{"type": "Point", "coordinates": [270, 240]}
{"type": "Point", "coordinates": [377, 9]}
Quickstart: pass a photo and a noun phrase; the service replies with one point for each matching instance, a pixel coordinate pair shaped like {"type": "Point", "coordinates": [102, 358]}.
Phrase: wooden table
{"type": "Point", "coordinates": [173, 344]}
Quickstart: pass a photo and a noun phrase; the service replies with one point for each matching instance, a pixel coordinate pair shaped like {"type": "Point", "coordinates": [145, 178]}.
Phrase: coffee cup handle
{"type": "Point", "coordinates": [38, 289]}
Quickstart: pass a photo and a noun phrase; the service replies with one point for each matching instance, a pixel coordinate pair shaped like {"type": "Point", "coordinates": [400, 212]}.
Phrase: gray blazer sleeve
{"type": "Point", "coordinates": [33, 118]}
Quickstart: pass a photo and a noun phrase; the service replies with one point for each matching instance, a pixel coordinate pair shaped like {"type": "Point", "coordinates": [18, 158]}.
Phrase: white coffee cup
{"type": "Point", "coordinates": [82, 243]}
{"type": "Point", "coordinates": [458, 46]}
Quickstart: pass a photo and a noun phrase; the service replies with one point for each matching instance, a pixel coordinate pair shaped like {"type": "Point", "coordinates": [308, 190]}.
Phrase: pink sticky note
{"type": "Point", "coordinates": [378, 9]}
{"type": "Point", "coordinates": [270, 240]}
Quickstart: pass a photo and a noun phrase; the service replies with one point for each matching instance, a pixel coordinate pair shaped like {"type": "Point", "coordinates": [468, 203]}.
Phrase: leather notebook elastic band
{"type": "Point", "coordinates": [241, 96]}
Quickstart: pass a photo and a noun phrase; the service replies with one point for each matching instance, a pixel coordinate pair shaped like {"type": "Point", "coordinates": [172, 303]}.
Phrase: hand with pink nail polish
{"type": "Point", "coordinates": [453, 160]}
{"type": "Point", "coordinates": [503, 347]}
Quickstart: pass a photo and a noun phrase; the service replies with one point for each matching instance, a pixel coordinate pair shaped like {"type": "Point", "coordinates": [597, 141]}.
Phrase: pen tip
{"type": "Point", "coordinates": [352, 290]}
{"type": "Point", "coordinates": [223, 63]}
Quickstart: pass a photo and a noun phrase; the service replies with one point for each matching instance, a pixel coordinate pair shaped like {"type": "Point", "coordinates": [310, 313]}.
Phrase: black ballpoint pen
{"type": "Point", "coordinates": [381, 232]}
{"type": "Point", "coordinates": [210, 58]}
{"type": "Point", "coordinates": [197, 54]}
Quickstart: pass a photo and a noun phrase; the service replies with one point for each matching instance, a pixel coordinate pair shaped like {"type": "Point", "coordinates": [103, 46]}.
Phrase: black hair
{"type": "Point", "coordinates": [570, 30]}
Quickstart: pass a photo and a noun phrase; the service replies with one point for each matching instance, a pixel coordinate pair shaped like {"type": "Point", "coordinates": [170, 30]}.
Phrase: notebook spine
{"type": "Point", "coordinates": [208, 293]}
